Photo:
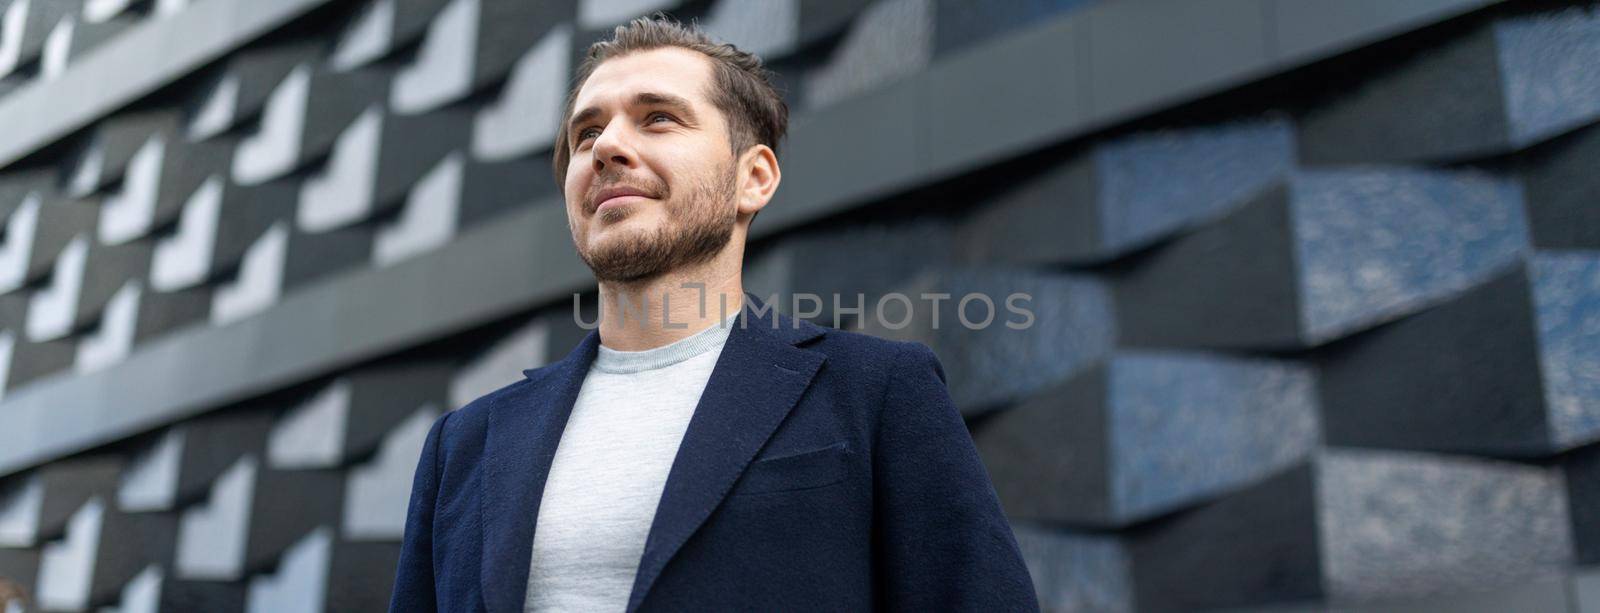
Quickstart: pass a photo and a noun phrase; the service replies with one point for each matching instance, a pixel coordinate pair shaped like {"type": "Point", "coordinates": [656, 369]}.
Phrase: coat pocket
{"type": "Point", "coordinates": [797, 471]}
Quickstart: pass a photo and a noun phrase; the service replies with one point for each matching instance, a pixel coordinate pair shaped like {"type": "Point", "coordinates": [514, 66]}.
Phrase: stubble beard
{"type": "Point", "coordinates": [697, 227]}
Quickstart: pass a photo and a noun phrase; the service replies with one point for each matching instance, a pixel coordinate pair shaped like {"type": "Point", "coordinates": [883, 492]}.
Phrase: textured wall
{"type": "Point", "coordinates": [1316, 285]}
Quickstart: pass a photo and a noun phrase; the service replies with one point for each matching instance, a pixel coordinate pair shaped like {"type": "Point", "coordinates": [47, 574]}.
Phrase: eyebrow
{"type": "Point", "coordinates": [676, 103]}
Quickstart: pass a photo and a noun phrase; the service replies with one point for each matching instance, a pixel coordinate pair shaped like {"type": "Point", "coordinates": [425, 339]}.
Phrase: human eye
{"type": "Point", "coordinates": [661, 114]}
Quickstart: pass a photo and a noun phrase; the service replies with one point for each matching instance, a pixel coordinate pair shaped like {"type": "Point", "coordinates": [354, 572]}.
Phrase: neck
{"type": "Point", "coordinates": [654, 312]}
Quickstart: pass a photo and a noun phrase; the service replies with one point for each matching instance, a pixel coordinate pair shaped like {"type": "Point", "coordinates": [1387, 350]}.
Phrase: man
{"type": "Point", "coordinates": [702, 452]}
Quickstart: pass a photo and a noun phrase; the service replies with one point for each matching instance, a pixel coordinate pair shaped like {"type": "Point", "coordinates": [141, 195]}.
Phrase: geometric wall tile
{"type": "Point", "coordinates": [1127, 193]}
{"type": "Point", "coordinates": [442, 71]}
{"type": "Point", "coordinates": [259, 279]}
{"type": "Point", "coordinates": [1582, 471]}
{"type": "Point", "coordinates": [361, 576]}
{"type": "Point", "coordinates": [212, 535]}
{"type": "Point", "coordinates": [501, 364]}
{"type": "Point", "coordinates": [107, 271]}
{"type": "Point", "coordinates": [1000, 334]}
{"type": "Point", "coordinates": [163, 312]}
{"type": "Point", "coordinates": [150, 482]}
{"type": "Point", "coordinates": [129, 544]}
{"type": "Point", "coordinates": [21, 502]}
{"type": "Point", "coordinates": [366, 38]}
{"type": "Point", "coordinates": [765, 28]}
{"type": "Point", "coordinates": [301, 580]}
{"type": "Point", "coordinates": [341, 193]}
{"type": "Point", "coordinates": [113, 340]}
{"type": "Point", "coordinates": [1145, 433]}
{"type": "Point", "coordinates": [490, 188]}
{"type": "Point", "coordinates": [891, 39]}
{"type": "Point", "coordinates": [214, 114]}
{"type": "Point", "coordinates": [287, 505]}
{"type": "Point", "coordinates": [1510, 83]}
{"type": "Point", "coordinates": [413, 145]}
{"type": "Point", "coordinates": [509, 34]}
{"type": "Point", "coordinates": [67, 485]}
{"type": "Point", "coordinates": [273, 149]}
{"type": "Point", "coordinates": [18, 243]}
{"type": "Point", "coordinates": [1507, 368]}
{"type": "Point", "coordinates": [1325, 254]}
{"type": "Point", "coordinates": [311, 434]}
{"type": "Point", "coordinates": [871, 259]}
{"type": "Point", "coordinates": [309, 257]}
{"type": "Point", "coordinates": [377, 492]}
{"type": "Point", "coordinates": [182, 259]}
{"type": "Point", "coordinates": [1076, 571]}
{"type": "Point", "coordinates": [61, 221]}
{"type": "Point", "coordinates": [127, 214]}
{"type": "Point", "coordinates": [596, 14]}
{"type": "Point", "coordinates": [1560, 184]}
{"type": "Point", "coordinates": [428, 219]}
{"type": "Point", "coordinates": [350, 417]}
{"type": "Point", "coordinates": [213, 443]}
{"type": "Point", "coordinates": [52, 309]}
{"type": "Point", "coordinates": [66, 568]}
{"type": "Point", "coordinates": [962, 22]}
{"type": "Point", "coordinates": [1356, 526]}
{"type": "Point", "coordinates": [523, 120]}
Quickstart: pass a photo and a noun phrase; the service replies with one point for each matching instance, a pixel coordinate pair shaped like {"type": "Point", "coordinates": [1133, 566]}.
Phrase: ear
{"type": "Point", "coordinates": [758, 178]}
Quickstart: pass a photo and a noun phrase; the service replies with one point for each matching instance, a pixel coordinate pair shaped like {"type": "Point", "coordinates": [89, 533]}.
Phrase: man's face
{"type": "Point", "coordinates": [651, 182]}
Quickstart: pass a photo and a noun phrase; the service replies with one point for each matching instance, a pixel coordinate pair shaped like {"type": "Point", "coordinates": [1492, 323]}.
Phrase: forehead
{"type": "Point", "coordinates": [668, 70]}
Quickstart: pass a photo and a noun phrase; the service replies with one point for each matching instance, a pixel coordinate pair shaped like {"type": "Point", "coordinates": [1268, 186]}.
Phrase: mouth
{"type": "Point", "coordinates": [613, 197]}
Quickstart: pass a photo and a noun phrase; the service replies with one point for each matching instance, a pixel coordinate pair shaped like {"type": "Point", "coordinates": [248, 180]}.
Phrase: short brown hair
{"type": "Point", "coordinates": [741, 85]}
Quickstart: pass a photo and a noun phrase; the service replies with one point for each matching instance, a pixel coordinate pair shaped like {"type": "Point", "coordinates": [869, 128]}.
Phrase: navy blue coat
{"type": "Point", "coordinates": [822, 470]}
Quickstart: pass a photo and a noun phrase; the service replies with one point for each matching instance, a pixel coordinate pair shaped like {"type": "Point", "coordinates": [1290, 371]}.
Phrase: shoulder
{"type": "Point", "coordinates": [471, 420]}
{"type": "Point", "coordinates": [874, 360]}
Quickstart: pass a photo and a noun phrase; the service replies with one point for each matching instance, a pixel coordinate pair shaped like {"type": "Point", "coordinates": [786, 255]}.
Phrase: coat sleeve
{"type": "Point", "coordinates": [942, 541]}
{"type": "Point", "coordinates": [413, 583]}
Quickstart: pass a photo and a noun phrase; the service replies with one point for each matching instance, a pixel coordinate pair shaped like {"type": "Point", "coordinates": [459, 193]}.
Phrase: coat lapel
{"type": "Point", "coordinates": [758, 378]}
{"type": "Point", "coordinates": [519, 446]}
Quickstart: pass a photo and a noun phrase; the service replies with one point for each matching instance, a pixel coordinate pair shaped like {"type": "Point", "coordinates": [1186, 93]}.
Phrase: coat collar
{"type": "Point", "coordinates": [732, 421]}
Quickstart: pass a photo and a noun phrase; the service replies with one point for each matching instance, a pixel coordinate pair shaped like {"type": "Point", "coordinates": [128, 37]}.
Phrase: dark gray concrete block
{"type": "Point", "coordinates": [1147, 433]}
{"type": "Point", "coordinates": [1582, 471]}
{"type": "Point", "coordinates": [1499, 370]}
{"type": "Point", "coordinates": [491, 188]}
{"type": "Point", "coordinates": [1076, 571]}
{"type": "Point", "coordinates": [1321, 256]}
{"type": "Point", "coordinates": [214, 442]}
{"type": "Point", "coordinates": [1504, 84]}
{"type": "Point", "coordinates": [129, 543]}
{"type": "Point", "coordinates": [1126, 194]}
{"type": "Point", "coordinates": [361, 576]}
{"type": "Point", "coordinates": [410, 146]}
{"type": "Point", "coordinates": [1560, 183]}
{"type": "Point", "coordinates": [334, 101]}
{"type": "Point", "coordinates": [164, 312]}
{"type": "Point", "coordinates": [61, 219]}
{"type": "Point", "coordinates": [315, 256]}
{"type": "Point", "coordinates": [1042, 328]}
{"type": "Point", "coordinates": [1353, 527]}
{"type": "Point", "coordinates": [247, 213]}
{"type": "Point", "coordinates": [868, 259]}
{"type": "Point", "coordinates": [286, 506]}
{"type": "Point", "coordinates": [68, 484]}
{"type": "Point", "coordinates": [261, 68]}
{"type": "Point", "coordinates": [35, 360]}
{"type": "Point", "coordinates": [966, 22]}
{"type": "Point", "coordinates": [109, 268]}
{"type": "Point", "coordinates": [186, 167]}
{"type": "Point", "coordinates": [507, 29]}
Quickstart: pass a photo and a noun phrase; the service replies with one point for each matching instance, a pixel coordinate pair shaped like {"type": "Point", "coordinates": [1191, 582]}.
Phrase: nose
{"type": "Point", "coordinates": [614, 146]}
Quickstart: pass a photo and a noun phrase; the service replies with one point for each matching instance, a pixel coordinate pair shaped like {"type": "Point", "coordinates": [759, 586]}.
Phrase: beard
{"type": "Point", "coordinates": [697, 227]}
